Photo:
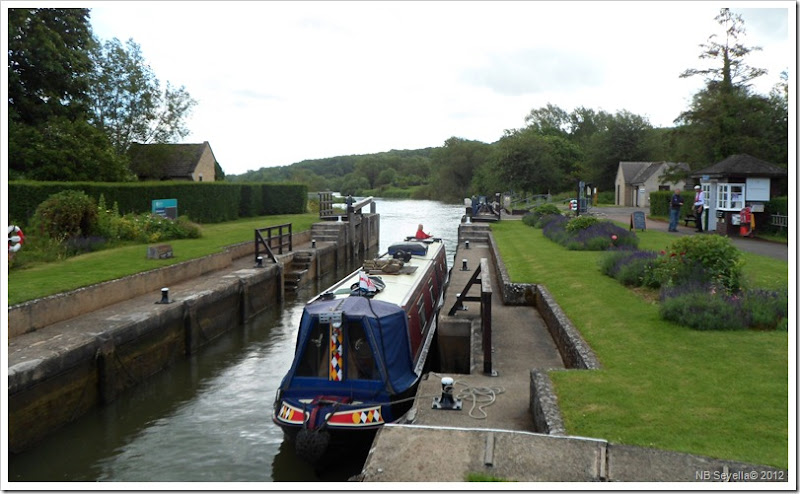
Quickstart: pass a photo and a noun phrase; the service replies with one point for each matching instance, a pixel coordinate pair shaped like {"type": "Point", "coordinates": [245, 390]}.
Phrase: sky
{"type": "Point", "coordinates": [281, 82]}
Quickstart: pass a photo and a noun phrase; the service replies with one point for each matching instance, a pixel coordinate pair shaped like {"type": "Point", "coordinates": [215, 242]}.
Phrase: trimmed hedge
{"type": "Point", "coordinates": [202, 202]}
{"type": "Point", "coordinates": [659, 203]}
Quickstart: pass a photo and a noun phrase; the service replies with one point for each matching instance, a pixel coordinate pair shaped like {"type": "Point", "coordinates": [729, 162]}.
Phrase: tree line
{"type": "Point", "coordinates": [76, 103]}
{"type": "Point", "coordinates": [558, 147]}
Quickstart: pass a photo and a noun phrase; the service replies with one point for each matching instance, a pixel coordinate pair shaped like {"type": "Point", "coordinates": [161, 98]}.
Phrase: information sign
{"type": "Point", "coordinates": [166, 208]}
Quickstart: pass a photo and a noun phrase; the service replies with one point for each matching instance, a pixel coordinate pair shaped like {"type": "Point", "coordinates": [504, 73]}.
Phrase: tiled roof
{"type": "Point", "coordinates": [164, 161]}
{"type": "Point", "coordinates": [637, 172]}
{"type": "Point", "coordinates": [742, 165]}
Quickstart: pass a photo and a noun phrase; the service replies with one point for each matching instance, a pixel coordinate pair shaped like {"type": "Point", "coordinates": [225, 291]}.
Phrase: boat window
{"type": "Point", "coordinates": [315, 358]}
{"type": "Point", "coordinates": [360, 362]}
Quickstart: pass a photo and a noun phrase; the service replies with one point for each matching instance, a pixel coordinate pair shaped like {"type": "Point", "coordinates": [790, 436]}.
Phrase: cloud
{"type": "Point", "coordinates": [535, 70]}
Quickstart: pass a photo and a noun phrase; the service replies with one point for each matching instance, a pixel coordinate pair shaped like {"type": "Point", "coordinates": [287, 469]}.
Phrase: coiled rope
{"type": "Point", "coordinates": [481, 396]}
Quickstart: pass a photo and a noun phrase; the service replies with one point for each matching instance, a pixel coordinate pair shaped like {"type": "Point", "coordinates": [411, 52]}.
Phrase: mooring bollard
{"type": "Point", "coordinates": [464, 265]}
{"type": "Point", "coordinates": [259, 262]}
{"type": "Point", "coordinates": [466, 245]}
{"type": "Point", "coordinates": [164, 296]}
{"type": "Point", "coordinates": [446, 401]}
{"type": "Point", "coordinates": [313, 243]}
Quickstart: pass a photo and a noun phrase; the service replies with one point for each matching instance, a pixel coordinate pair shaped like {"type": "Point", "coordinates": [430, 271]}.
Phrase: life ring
{"type": "Point", "coordinates": [15, 239]}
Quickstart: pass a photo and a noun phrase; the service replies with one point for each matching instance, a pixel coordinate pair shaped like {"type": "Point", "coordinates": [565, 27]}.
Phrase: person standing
{"type": "Point", "coordinates": [699, 202]}
{"type": "Point", "coordinates": [675, 205]}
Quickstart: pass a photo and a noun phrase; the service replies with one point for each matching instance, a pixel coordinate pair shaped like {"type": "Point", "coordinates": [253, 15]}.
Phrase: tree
{"type": "Point", "coordinates": [626, 137]}
{"type": "Point", "coordinates": [127, 100]}
{"type": "Point", "coordinates": [526, 160]}
{"type": "Point", "coordinates": [48, 63]}
{"type": "Point", "coordinates": [550, 120]}
{"type": "Point", "coordinates": [454, 166]}
{"type": "Point", "coordinates": [733, 71]}
{"type": "Point", "coordinates": [725, 117]}
{"type": "Point", "coordinates": [48, 71]}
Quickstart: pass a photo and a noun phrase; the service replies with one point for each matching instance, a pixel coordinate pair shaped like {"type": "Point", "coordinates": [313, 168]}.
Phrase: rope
{"type": "Point", "coordinates": [482, 397]}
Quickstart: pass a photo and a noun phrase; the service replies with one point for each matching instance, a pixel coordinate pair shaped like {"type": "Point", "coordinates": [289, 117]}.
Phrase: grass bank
{"type": "Point", "coordinates": [43, 279]}
{"type": "Point", "coordinates": [722, 394]}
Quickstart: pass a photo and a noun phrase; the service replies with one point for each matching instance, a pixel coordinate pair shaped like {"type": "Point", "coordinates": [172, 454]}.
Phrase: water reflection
{"type": "Point", "coordinates": [208, 418]}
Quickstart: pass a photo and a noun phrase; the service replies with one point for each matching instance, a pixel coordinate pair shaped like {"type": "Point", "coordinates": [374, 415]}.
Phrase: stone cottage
{"type": "Point", "coordinates": [636, 179]}
{"type": "Point", "coordinates": [195, 162]}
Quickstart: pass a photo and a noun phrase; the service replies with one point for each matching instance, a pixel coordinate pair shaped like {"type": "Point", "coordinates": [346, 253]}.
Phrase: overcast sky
{"type": "Point", "coordinates": [280, 82]}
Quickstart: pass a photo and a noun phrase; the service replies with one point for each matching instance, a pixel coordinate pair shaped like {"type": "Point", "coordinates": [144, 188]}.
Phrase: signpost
{"type": "Point", "coordinates": [166, 208]}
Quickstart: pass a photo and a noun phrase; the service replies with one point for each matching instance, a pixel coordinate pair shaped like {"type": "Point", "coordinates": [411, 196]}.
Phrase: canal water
{"type": "Point", "coordinates": [208, 418]}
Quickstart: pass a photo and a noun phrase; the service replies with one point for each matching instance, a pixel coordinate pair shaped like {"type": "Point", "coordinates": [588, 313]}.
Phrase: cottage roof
{"type": "Point", "coordinates": [742, 165]}
{"type": "Point", "coordinates": [638, 172]}
{"type": "Point", "coordinates": [164, 161]}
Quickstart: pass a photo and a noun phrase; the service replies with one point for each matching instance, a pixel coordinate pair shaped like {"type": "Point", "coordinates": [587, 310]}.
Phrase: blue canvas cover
{"type": "Point", "coordinates": [386, 327]}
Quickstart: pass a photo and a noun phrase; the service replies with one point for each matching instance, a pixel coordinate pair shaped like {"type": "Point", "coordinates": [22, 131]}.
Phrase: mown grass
{"type": "Point", "coordinates": [42, 279]}
{"type": "Point", "coordinates": [722, 394]}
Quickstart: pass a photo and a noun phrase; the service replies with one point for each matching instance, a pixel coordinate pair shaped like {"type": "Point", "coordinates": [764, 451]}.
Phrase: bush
{"type": "Point", "coordinates": [701, 306]}
{"type": "Point", "coordinates": [580, 223]}
{"type": "Point", "coordinates": [714, 256]}
{"type": "Point", "coordinates": [764, 309]}
{"type": "Point", "coordinates": [703, 311]}
{"type": "Point", "coordinates": [67, 214]}
{"type": "Point", "coordinates": [541, 210]}
{"type": "Point", "coordinates": [630, 267]}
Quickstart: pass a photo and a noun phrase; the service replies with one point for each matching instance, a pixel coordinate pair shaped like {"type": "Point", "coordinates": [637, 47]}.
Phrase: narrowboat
{"type": "Point", "coordinates": [362, 347]}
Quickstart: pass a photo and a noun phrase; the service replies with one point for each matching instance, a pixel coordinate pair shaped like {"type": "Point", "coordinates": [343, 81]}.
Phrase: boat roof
{"type": "Point", "coordinates": [400, 285]}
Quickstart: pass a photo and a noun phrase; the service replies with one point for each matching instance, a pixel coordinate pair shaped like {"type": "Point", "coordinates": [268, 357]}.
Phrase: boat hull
{"type": "Point", "coordinates": [360, 353]}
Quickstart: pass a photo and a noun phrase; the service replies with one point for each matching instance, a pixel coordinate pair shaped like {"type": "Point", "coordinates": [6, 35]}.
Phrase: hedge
{"type": "Point", "coordinates": [659, 203]}
{"type": "Point", "coordinates": [202, 202]}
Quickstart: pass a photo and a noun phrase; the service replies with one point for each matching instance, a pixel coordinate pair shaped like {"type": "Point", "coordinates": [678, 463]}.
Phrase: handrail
{"type": "Point", "coordinates": [480, 276]}
{"type": "Point", "coordinates": [284, 240]}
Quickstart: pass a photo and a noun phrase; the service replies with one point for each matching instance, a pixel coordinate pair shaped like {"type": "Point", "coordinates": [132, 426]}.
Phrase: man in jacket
{"type": "Point", "coordinates": [675, 205]}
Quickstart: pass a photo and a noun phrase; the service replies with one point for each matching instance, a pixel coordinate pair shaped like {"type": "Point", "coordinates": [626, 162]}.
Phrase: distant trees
{"type": "Point", "coordinates": [455, 164]}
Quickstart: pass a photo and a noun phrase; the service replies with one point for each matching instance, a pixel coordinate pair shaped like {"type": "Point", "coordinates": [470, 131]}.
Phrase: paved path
{"type": "Point", "coordinates": [754, 245]}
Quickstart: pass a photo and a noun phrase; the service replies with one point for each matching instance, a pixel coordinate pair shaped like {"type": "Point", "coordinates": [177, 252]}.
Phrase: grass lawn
{"type": "Point", "coordinates": [43, 279]}
{"type": "Point", "coordinates": [722, 394]}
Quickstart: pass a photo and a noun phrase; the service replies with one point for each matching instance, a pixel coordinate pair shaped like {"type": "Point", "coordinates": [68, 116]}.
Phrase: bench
{"type": "Point", "coordinates": [689, 218]}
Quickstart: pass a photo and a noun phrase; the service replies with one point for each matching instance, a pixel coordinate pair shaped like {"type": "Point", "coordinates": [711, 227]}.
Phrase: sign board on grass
{"type": "Point", "coordinates": [637, 220]}
{"type": "Point", "coordinates": [166, 208]}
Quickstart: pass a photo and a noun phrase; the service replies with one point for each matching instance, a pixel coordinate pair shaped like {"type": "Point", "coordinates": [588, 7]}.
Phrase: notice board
{"type": "Point", "coordinates": [637, 221]}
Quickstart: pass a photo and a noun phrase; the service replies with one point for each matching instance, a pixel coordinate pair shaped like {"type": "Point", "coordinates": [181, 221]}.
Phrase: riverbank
{"type": "Point", "coordinates": [61, 367]}
{"type": "Point", "coordinates": [518, 434]}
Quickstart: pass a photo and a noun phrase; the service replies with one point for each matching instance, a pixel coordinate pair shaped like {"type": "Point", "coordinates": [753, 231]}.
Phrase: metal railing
{"type": "Point", "coordinates": [269, 243]}
{"type": "Point", "coordinates": [780, 220]}
{"type": "Point", "coordinates": [481, 277]}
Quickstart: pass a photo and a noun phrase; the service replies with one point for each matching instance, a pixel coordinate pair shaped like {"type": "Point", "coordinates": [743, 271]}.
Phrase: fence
{"type": "Point", "coordinates": [282, 239]}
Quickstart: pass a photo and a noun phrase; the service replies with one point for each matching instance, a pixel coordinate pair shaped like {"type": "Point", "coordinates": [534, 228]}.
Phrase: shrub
{"type": "Point", "coordinates": [580, 223]}
{"type": "Point", "coordinates": [714, 256]}
{"type": "Point", "coordinates": [66, 214]}
{"type": "Point", "coordinates": [764, 309]}
{"type": "Point", "coordinates": [544, 210]}
{"type": "Point", "coordinates": [629, 266]}
{"type": "Point", "coordinates": [700, 305]}
{"type": "Point", "coordinates": [703, 310]}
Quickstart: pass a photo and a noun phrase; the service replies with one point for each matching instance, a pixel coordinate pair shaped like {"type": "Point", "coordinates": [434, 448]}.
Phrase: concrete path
{"type": "Point", "coordinates": [493, 433]}
{"type": "Point", "coordinates": [622, 214]}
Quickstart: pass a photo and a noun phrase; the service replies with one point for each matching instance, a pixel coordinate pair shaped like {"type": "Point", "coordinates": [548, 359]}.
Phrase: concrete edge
{"type": "Point", "coordinates": [39, 313]}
